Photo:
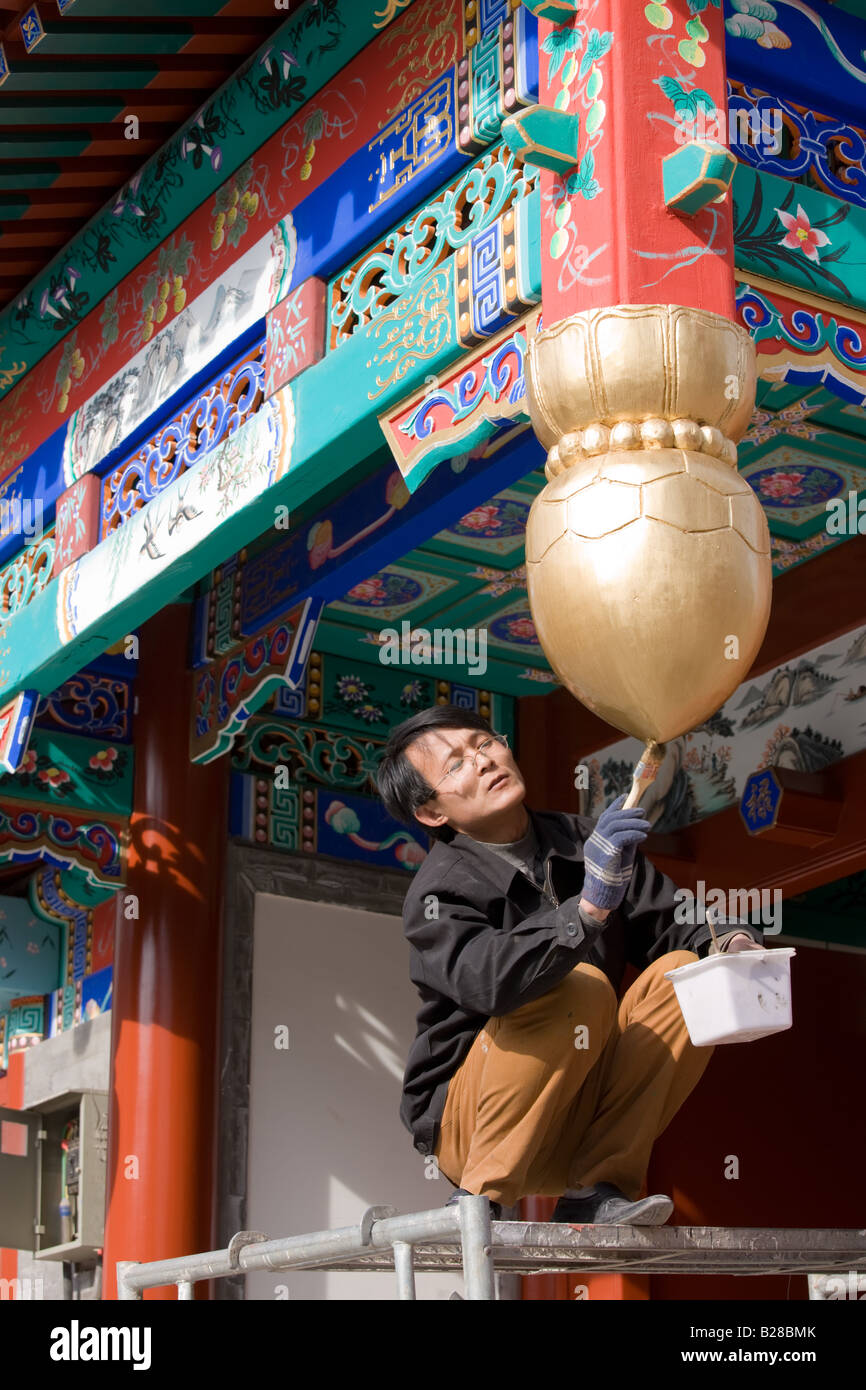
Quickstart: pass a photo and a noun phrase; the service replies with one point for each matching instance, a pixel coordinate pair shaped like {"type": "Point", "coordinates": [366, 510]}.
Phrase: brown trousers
{"type": "Point", "coordinates": [571, 1089]}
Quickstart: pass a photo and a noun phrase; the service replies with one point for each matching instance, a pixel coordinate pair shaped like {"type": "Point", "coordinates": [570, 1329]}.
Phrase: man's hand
{"type": "Point", "coordinates": [741, 942]}
{"type": "Point", "coordinates": [609, 853]}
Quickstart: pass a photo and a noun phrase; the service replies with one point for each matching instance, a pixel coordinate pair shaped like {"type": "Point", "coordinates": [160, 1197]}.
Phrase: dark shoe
{"type": "Point", "coordinates": [495, 1207]}
{"type": "Point", "coordinates": [605, 1205]}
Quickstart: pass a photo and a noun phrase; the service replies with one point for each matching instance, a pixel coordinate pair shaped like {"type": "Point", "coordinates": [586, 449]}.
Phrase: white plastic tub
{"type": "Point", "coordinates": [729, 999]}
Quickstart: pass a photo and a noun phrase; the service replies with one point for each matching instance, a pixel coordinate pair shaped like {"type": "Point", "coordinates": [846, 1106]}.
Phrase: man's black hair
{"type": "Point", "coordinates": [401, 786]}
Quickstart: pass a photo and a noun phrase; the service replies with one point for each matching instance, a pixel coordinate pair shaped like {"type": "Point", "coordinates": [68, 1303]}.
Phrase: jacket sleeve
{"type": "Point", "coordinates": [489, 970]}
{"type": "Point", "coordinates": [652, 917]}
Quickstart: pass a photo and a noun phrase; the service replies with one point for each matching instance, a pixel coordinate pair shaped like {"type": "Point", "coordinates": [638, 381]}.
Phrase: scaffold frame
{"type": "Point", "coordinates": [463, 1237]}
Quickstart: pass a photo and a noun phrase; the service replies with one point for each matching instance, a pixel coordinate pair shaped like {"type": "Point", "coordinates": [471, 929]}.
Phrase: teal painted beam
{"type": "Point", "coordinates": [247, 110]}
{"type": "Point", "coordinates": [88, 42]}
{"type": "Point", "coordinates": [821, 248]}
{"type": "Point", "coordinates": [17, 177]}
{"type": "Point", "coordinates": [501, 677]}
{"type": "Point", "coordinates": [312, 434]}
{"type": "Point", "coordinates": [68, 77]}
{"type": "Point", "coordinates": [56, 144]}
{"type": "Point", "coordinates": [32, 113]}
{"type": "Point", "coordinates": [65, 770]}
{"type": "Point", "coordinates": [144, 9]}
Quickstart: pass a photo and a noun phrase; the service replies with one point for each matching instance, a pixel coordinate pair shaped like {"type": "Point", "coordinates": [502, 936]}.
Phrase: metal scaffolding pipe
{"type": "Point", "coordinates": [404, 1269]}
{"type": "Point", "coordinates": [294, 1252]}
{"type": "Point", "coordinates": [477, 1240]}
{"type": "Point", "coordinates": [463, 1236]}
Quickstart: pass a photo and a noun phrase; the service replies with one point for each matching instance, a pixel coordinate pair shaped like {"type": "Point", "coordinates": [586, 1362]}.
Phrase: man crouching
{"type": "Point", "coordinates": [528, 1074]}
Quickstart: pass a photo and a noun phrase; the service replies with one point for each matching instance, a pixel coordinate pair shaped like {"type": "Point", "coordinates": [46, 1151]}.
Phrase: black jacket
{"type": "Point", "coordinates": [498, 942]}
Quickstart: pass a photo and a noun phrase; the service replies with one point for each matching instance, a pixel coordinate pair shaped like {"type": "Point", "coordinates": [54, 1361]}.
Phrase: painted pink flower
{"type": "Point", "coordinates": [368, 589]}
{"type": "Point", "coordinates": [410, 853]}
{"type": "Point", "coordinates": [523, 628]}
{"type": "Point", "coordinates": [481, 519]}
{"type": "Point", "coordinates": [28, 762]}
{"type": "Point", "coordinates": [103, 760]}
{"type": "Point", "coordinates": [800, 235]}
{"type": "Point", "coordinates": [782, 485]}
{"type": "Point", "coordinates": [54, 776]}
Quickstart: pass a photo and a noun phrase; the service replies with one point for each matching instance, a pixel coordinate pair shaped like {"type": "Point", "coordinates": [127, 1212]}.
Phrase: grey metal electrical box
{"type": "Point", "coordinates": [35, 1148]}
{"type": "Point", "coordinates": [19, 1177]}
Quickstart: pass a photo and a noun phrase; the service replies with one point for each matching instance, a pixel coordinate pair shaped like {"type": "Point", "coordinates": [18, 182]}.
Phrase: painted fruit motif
{"type": "Point", "coordinates": [595, 117]}
{"type": "Point", "coordinates": [641, 565]}
{"type": "Point", "coordinates": [559, 243]}
{"type": "Point", "coordinates": [691, 50]}
{"type": "Point", "coordinates": [659, 16]}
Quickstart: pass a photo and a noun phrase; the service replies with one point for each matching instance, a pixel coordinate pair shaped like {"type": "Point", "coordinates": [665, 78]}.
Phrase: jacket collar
{"type": "Point", "coordinates": [554, 837]}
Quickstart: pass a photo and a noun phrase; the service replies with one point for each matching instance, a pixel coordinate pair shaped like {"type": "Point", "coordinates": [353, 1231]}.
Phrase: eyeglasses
{"type": "Point", "coordinates": [456, 768]}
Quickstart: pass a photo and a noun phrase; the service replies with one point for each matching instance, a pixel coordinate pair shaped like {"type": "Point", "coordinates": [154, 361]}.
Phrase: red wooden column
{"type": "Point", "coordinates": [165, 1016]}
{"type": "Point", "coordinates": [642, 82]}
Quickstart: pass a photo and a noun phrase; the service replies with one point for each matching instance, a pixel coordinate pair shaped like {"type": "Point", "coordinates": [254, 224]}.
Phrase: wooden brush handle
{"type": "Point", "coordinates": [645, 772]}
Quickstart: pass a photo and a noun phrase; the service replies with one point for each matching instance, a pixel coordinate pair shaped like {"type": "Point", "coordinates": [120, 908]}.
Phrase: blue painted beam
{"type": "Point", "coordinates": [278, 578]}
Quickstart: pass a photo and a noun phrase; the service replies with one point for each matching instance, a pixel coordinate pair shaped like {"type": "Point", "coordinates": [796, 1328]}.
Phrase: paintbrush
{"type": "Point", "coordinates": [650, 761]}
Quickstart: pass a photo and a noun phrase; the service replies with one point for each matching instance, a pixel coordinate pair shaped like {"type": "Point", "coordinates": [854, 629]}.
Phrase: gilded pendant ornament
{"type": "Point", "coordinates": [648, 557]}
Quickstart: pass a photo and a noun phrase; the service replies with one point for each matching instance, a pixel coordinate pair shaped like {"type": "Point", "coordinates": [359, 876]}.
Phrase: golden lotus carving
{"type": "Point", "coordinates": [648, 558]}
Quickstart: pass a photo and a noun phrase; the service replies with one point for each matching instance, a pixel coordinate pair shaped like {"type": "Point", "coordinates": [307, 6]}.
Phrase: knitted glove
{"type": "Point", "coordinates": [609, 853]}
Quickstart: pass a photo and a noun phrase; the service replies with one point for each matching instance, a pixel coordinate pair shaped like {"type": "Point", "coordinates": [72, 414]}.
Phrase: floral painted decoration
{"type": "Point", "coordinates": [800, 235]}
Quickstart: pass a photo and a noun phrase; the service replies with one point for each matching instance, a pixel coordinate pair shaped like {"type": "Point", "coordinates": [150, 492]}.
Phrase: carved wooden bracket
{"type": "Point", "coordinates": [540, 135]}
{"type": "Point", "coordinates": [696, 174]}
{"type": "Point", "coordinates": [794, 808]}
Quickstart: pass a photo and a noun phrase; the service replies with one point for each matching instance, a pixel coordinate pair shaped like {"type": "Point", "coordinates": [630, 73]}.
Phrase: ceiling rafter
{"type": "Point", "coordinates": [64, 151]}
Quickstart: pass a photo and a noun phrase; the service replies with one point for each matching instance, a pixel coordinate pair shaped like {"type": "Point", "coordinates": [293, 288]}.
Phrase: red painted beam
{"type": "Point", "coordinates": [42, 233]}
{"type": "Point", "coordinates": [720, 850]}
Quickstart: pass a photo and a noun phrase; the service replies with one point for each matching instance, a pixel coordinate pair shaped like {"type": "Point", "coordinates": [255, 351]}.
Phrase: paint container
{"type": "Point", "coordinates": [729, 999]}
